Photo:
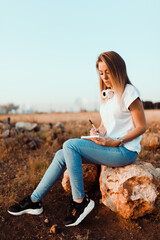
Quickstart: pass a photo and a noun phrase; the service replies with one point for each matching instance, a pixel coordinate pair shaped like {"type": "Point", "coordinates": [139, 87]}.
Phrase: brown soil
{"type": "Point", "coordinates": [100, 224]}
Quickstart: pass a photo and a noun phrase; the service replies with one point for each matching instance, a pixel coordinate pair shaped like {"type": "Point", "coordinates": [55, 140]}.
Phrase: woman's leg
{"type": "Point", "coordinates": [50, 177]}
{"type": "Point", "coordinates": [78, 151]}
{"type": "Point", "coordinates": [74, 153]}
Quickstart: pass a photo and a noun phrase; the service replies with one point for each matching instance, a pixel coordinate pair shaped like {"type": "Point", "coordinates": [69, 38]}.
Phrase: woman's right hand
{"type": "Point", "coordinates": [94, 132]}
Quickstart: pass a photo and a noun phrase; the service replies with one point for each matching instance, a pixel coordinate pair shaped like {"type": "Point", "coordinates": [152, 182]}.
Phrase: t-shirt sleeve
{"type": "Point", "coordinates": [130, 95]}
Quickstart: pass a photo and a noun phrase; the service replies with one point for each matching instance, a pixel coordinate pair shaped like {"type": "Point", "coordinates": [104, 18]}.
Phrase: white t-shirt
{"type": "Point", "coordinates": [117, 119]}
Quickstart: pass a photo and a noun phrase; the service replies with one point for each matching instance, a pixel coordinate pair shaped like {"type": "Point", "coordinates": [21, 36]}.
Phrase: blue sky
{"type": "Point", "coordinates": [48, 49]}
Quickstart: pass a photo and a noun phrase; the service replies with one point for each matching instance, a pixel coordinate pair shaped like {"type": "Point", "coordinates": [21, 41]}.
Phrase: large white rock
{"type": "Point", "coordinates": [26, 125]}
{"type": "Point", "coordinates": [131, 190]}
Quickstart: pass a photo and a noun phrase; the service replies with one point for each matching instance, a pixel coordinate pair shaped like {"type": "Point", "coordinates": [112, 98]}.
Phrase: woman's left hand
{"type": "Point", "coordinates": [109, 142]}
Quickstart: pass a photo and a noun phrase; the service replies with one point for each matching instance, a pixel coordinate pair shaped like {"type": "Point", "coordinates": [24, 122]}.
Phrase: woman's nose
{"type": "Point", "coordinates": [105, 76]}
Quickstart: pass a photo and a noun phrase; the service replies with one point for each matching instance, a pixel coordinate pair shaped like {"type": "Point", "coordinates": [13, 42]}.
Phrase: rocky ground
{"type": "Point", "coordinates": [25, 154]}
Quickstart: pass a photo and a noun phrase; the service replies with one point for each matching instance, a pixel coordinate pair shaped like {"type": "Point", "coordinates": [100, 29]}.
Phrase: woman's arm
{"type": "Point", "coordinates": [137, 113]}
{"type": "Point", "coordinates": [138, 117]}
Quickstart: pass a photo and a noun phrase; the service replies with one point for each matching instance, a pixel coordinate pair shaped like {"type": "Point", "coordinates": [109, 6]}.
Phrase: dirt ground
{"type": "Point", "coordinates": [100, 224]}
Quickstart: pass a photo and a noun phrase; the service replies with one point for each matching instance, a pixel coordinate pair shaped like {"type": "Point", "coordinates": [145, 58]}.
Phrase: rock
{"type": "Point", "coordinates": [46, 221]}
{"type": "Point", "coordinates": [45, 127]}
{"type": "Point", "coordinates": [60, 125]}
{"type": "Point", "coordinates": [51, 135]}
{"type": "Point", "coordinates": [34, 143]}
{"type": "Point", "coordinates": [54, 136]}
{"type": "Point", "coordinates": [7, 120]}
{"type": "Point", "coordinates": [53, 229]}
{"type": "Point", "coordinates": [6, 134]}
{"type": "Point", "coordinates": [131, 190]}
{"type": "Point", "coordinates": [90, 176]}
{"type": "Point", "coordinates": [26, 125]}
{"type": "Point", "coordinates": [13, 132]}
{"type": "Point", "coordinates": [151, 140]}
{"type": "Point", "coordinates": [5, 126]}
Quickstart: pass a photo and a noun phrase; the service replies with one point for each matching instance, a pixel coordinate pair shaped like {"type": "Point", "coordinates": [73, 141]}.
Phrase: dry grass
{"type": "Point", "coordinates": [22, 168]}
{"type": "Point", "coordinates": [30, 168]}
{"type": "Point", "coordinates": [151, 116]}
{"type": "Point", "coordinates": [29, 165]}
{"type": "Point", "coordinates": [53, 117]}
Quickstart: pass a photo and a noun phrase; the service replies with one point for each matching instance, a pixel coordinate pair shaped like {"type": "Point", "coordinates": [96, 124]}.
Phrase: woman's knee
{"type": "Point", "coordinates": [59, 153]}
{"type": "Point", "coordinates": [67, 143]}
{"type": "Point", "coordinates": [72, 144]}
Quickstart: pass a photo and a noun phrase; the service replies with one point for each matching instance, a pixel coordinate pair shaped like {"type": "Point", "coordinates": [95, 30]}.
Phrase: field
{"type": "Point", "coordinates": [22, 167]}
{"type": "Point", "coordinates": [151, 116]}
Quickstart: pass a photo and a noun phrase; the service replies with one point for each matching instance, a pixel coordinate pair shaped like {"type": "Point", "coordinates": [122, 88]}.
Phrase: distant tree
{"type": "Point", "coordinates": [157, 105]}
{"type": "Point", "coordinates": [8, 108]}
{"type": "Point", "coordinates": [148, 105]}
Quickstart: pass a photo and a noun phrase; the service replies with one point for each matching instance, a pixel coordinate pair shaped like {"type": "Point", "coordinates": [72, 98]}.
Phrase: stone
{"type": "Point", "coordinates": [130, 191]}
{"type": "Point", "coordinates": [60, 126]}
{"type": "Point", "coordinates": [13, 132]}
{"type": "Point", "coordinates": [26, 125]}
{"type": "Point", "coordinates": [53, 229]}
{"type": "Point", "coordinates": [45, 127]}
{"type": "Point", "coordinates": [46, 221]}
{"type": "Point", "coordinates": [6, 133]}
{"type": "Point", "coordinates": [151, 140]}
{"type": "Point", "coordinates": [90, 176]}
{"type": "Point", "coordinates": [7, 120]}
{"type": "Point", "coordinates": [34, 143]}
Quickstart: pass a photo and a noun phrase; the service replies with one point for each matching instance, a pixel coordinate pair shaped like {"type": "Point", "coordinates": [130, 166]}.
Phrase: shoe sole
{"type": "Point", "coordinates": [29, 211]}
{"type": "Point", "coordinates": [87, 210]}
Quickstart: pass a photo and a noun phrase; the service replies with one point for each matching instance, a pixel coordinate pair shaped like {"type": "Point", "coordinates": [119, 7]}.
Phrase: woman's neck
{"type": "Point", "coordinates": [119, 92]}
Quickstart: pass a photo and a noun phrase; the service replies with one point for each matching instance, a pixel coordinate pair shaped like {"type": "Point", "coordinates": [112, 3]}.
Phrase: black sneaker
{"type": "Point", "coordinates": [26, 206]}
{"type": "Point", "coordinates": [78, 211]}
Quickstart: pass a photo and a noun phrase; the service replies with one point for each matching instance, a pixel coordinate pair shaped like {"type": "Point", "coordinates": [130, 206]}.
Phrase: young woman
{"type": "Point", "coordinates": [123, 123]}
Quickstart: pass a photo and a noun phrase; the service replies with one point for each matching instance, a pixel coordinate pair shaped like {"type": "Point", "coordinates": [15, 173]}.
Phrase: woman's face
{"type": "Point", "coordinates": [105, 74]}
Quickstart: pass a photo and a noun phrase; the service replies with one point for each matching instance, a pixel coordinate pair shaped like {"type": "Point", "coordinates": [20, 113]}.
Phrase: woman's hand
{"type": "Point", "coordinates": [99, 131]}
{"type": "Point", "coordinates": [109, 142]}
{"type": "Point", "coordinates": [94, 132]}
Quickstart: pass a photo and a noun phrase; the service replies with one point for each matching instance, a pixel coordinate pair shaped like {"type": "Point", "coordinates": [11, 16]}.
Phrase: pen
{"type": "Point", "coordinates": [92, 125]}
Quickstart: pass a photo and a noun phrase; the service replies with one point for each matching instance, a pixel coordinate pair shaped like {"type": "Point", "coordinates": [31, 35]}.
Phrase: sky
{"type": "Point", "coordinates": [49, 48]}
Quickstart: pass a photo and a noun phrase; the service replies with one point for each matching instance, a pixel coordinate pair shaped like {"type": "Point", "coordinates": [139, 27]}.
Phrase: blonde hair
{"type": "Point", "coordinates": [117, 69]}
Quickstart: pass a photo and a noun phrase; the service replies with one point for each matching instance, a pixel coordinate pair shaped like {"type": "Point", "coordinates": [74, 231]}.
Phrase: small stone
{"type": "Point", "coordinates": [53, 229]}
{"type": "Point", "coordinates": [46, 220]}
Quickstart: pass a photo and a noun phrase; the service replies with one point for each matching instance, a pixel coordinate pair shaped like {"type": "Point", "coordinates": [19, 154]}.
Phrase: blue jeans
{"type": "Point", "coordinates": [74, 153]}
